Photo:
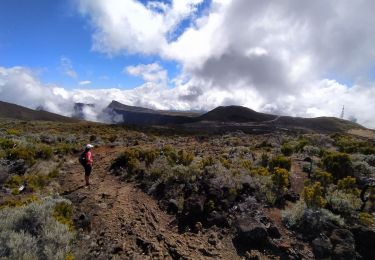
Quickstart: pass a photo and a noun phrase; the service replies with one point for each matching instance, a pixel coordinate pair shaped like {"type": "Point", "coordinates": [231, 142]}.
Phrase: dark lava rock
{"type": "Point", "coordinates": [219, 219]}
{"type": "Point", "coordinates": [364, 241]}
{"type": "Point", "coordinates": [172, 207]}
{"type": "Point", "coordinates": [192, 212]}
{"type": "Point", "coordinates": [313, 223]}
{"type": "Point", "coordinates": [83, 222]}
{"type": "Point", "coordinates": [18, 167]}
{"type": "Point", "coordinates": [273, 231]}
{"type": "Point", "coordinates": [291, 196]}
{"type": "Point", "coordinates": [343, 244]}
{"type": "Point", "coordinates": [251, 233]}
{"type": "Point", "coordinates": [322, 248]}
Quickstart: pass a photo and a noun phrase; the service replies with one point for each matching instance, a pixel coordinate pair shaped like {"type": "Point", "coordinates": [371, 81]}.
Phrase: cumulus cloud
{"type": "Point", "coordinates": [149, 72]}
{"type": "Point", "coordinates": [133, 27]}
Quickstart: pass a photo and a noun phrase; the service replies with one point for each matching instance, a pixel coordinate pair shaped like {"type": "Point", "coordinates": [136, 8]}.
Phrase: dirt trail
{"type": "Point", "coordinates": [125, 223]}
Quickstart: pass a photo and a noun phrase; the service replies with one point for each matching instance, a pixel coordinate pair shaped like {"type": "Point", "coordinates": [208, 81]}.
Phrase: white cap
{"type": "Point", "coordinates": [89, 146]}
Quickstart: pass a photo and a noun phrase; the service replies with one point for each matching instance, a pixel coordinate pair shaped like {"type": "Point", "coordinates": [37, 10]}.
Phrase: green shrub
{"type": "Point", "coordinates": [348, 185]}
{"type": "Point", "coordinates": [18, 201]}
{"type": "Point", "coordinates": [65, 149]}
{"type": "Point", "coordinates": [339, 164]}
{"type": "Point", "coordinates": [149, 156]}
{"type": "Point", "coordinates": [185, 158]}
{"type": "Point", "coordinates": [366, 219]}
{"type": "Point", "coordinates": [246, 164]}
{"type": "Point", "coordinates": [259, 171]}
{"type": "Point", "coordinates": [350, 145]}
{"type": "Point", "coordinates": [287, 149]}
{"type": "Point", "coordinates": [207, 161]}
{"type": "Point", "coordinates": [292, 216]}
{"type": "Point", "coordinates": [37, 181]}
{"type": "Point", "coordinates": [14, 181]}
{"type": "Point", "coordinates": [170, 154]}
{"type": "Point", "coordinates": [280, 162]}
{"type": "Point", "coordinates": [13, 131]}
{"type": "Point", "coordinates": [63, 213]}
{"type": "Point", "coordinates": [313, 196]}
{"type": "Point", "coordinates": [324, 178]}
{"type": "Point", "coordinates": [225, 162]}
{"type": "Point", "coordinates": [7, 143]}
{"type": "Point", "coordinates": [21, 152]}
{"type": "Point", "coordinates": [127, 160]}
{"type": "Point", "coordinates": [301, 144]}
{"type": "Point", "coordinates": [31, 232]}
{"type": "Point", "coordinates": [343, 203]}
{"type": "Point", "coordinates": [44, 152]}
{"type": "Point", "coordinates": [280, 179]}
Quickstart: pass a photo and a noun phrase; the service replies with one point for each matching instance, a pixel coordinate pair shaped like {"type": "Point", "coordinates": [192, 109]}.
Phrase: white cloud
{"type": "Point", "coordinates": [149, 72]}
{"type": "Point", "coordinates": [84, 82]}
{"type": "Point", "coordinates": [66, 67]}
{"type": "Point", "coordinates": [130, 26]}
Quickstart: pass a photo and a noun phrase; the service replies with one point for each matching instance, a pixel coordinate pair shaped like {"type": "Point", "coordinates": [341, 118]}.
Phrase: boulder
{"type": "Point", "coordinates": [250, 233]}
{"type": "Point", "coordinates": [83, 222]}
{"type": "Point", "coordinates": [322, 247]}
{"type": "Point", "coordinates": [273, 231]}
{"type": "Point", "coordinates": [343, 245]}
{"type": "Point", "coordinates": [18, 167]}
{"type": "Point", "coordinates": [364, 240]}
{"type": "Point", "coordinates": [313, 223]}
{"type": "Point", "coordinates": [291, 196]}
{"type": "Point", "coordinates": [172, 207]}
{"type": "Point", "coordinates": [219, 219]}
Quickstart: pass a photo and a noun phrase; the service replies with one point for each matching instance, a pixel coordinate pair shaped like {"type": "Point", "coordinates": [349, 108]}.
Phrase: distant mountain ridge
{"type": "Point", "coordinates": [13, 111]}
{"type": "Point", "coordinates": [220, 119]}
{"type": "Point", "coordinates": [225, 117]}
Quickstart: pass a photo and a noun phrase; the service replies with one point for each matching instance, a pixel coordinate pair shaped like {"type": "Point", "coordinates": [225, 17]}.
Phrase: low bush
{"type": "Point", "coordinates": [18, 201]}
{"type": "Point", "coordinates": [343, 203]}
{"type": "Point", "coordinates": [14, 181]}
{"type": "Point", "coordinates": [348, 185]}
{"type": "Point", "coordinates": [63, 213]}
{"type": "Point", "coordinates": [366, 219]}
{"type": "Point", "coordinates": [128, 161]}
{"type": "Point", "coordinates": [287, 149]}
{"type": "Point", "coordinates": [43, 152]}
{"type": "Point", "coordinates": [313, 196]}
{"type": "Point", "coordinates": [21, 152]}
{"type": "Point", "coordinates": [37, 181]}
{"type": "Point", "coordinates": [7, 143]}
{"type": "Point", "coordinates": [310, 222]}
{"type": "Point", "coordinates": [259, 171]}
{"type": "Point", "coordinates": [324, 178]}
{"type": "Point", "coordinates": [13, 131]}
{"type": "Point", "coordinates": [339, 164]}
{"type": "Point", "coordinates": [280, 162]}
{"type": "Point", "coordinates": [31, 232]}
{"type": "Point", "coordinates": [280, 179]}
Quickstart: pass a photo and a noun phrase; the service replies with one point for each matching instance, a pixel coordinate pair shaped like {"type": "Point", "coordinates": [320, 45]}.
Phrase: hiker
{"type": "Point", "coordinates": [86, 160]}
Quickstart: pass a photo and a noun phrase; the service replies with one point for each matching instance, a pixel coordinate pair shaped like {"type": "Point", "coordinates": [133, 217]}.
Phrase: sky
{"type": "Point", "coordinates": [287, 57]}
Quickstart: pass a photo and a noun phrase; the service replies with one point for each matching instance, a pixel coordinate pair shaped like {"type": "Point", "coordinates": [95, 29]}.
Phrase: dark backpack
{"type": "Point", "coordinates": [82, 159]}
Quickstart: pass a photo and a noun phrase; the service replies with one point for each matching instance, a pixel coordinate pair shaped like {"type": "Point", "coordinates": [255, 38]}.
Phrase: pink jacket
{"type": "Point", "coordinates": [89, 158]}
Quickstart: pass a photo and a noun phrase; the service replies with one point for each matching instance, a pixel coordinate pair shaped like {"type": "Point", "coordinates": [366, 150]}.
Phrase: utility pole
{"type": "Point", "coordinates": [342, 113]}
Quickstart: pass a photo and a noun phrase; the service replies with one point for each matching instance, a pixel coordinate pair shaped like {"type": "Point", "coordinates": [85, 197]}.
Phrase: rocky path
{"type": "Point", "coordinates": [119, 221]}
